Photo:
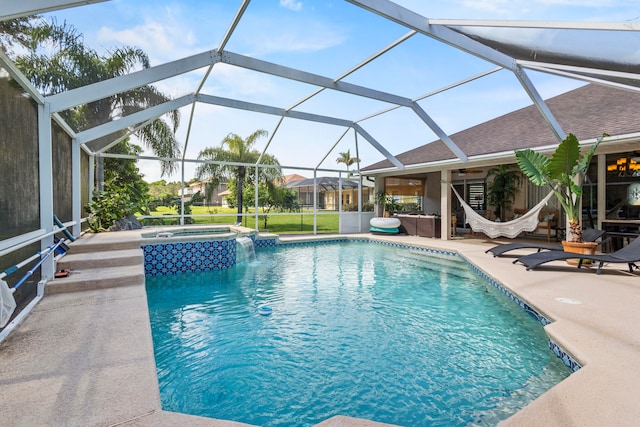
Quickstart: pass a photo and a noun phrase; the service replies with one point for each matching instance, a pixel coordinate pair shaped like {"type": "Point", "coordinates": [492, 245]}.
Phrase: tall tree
{"type": "Point", "coordinates": [345, 157]}
{"type": "Point", "coordinates": [57, 60]}
{"type": "Point", "coordinates": [232, 150]}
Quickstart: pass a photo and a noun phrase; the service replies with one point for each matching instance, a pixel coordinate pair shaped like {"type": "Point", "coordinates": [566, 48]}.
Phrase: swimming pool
{"type": "Point", "coordinates": [357, 329]}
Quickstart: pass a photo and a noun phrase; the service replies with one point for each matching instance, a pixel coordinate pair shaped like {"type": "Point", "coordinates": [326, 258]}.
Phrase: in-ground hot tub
{"type": "Point", "coordinates": [174, 250]}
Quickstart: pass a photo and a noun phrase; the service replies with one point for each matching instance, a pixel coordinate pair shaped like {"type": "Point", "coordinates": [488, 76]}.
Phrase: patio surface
{"type": "Point", "coordinates": [85, 358]}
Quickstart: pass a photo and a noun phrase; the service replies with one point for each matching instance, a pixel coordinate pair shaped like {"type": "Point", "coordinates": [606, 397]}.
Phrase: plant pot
{"type": "Point", "coordinates": [584, 248]}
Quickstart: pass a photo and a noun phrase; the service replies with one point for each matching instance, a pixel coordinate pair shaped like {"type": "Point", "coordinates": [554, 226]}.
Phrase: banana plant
{"type": "Point", "coordinates": [564, 173]}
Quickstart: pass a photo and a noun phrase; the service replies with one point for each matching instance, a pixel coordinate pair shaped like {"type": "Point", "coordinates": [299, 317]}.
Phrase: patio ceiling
{"type": "Point", "coordinates": [602, 53]}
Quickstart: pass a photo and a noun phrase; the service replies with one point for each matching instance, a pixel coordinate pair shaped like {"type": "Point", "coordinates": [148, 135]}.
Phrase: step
{"type": "Point", "coordinates": [103, 259]}
{"type": "Point", "coordinates": [104, 242]}
{"type": "Point", "coordinates": [97, 278]}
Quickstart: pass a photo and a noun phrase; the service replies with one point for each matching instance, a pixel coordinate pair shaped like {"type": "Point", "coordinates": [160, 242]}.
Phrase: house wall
{"type": "Point", "coordinates": [214, 198]}
{"type": "Point", "coordinates": [331, 198]}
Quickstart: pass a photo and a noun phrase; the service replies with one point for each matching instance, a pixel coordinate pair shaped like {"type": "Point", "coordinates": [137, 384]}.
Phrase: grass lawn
{"type": "Point", "coordinates": [298, 223]}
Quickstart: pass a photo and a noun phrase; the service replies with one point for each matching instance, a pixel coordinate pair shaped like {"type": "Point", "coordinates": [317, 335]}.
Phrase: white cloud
{"type": "Point", "coordinates": [294, 41]}
{"type": "Point", "coordinates": [291, 4]}
{"type": "Point", "coordinates": [160, 41]}
{"type": "Point", "coordinates": [227, 80]}
{"type": "Point", "coordinates": [283, 35]}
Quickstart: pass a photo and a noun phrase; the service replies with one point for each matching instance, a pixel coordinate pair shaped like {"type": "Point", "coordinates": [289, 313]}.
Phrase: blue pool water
{"type": "Point", "coordinates": [356, 329]}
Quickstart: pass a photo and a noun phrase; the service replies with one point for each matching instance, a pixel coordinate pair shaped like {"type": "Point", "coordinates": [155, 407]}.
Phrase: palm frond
{"type": "Point", "coordinates": [161, 140]}
{"type": "Point", "coordinates": [564, 159]}
{"type": "Point", "coordinates": [534, 165]}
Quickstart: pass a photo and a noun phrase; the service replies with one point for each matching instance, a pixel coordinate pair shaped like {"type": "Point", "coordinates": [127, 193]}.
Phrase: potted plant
{"type": "Point", "coordinates": [389, 205]}
{"type": "Point", "coordinates": [564, 173]}
{"type": "Point", "coordinates": [502, 188]}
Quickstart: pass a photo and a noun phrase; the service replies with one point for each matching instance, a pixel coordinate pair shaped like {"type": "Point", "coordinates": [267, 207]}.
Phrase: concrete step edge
{"type": "Point", "coordinates": [81, 247]}
{"type": "Point", "coordinates": [88, 260]}
{"type": "Point", "coordinates": [97, 278]}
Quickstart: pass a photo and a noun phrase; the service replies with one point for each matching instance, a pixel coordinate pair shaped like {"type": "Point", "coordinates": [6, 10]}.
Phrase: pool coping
{"type": "Point", "coordinates": [600, 333]}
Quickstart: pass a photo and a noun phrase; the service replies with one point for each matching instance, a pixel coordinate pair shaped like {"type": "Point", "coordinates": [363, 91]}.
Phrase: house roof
{"type": "Point", "coordinates": [291, 178]}
{"type": "Point", "coordinates": [587, 112]}
{"type": "Point", "coordinates": [324, 183]}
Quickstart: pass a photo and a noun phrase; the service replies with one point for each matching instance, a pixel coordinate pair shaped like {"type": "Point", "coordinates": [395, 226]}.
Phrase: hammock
{"type": "Point", "coordinates": [510, 229]}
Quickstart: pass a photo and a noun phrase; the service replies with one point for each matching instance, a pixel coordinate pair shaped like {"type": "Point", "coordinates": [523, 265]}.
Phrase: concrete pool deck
{"type": "Point", "coordinates": [84, 355]}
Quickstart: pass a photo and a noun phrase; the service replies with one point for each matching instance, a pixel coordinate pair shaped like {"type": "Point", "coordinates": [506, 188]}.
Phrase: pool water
{"type": "Point", "coordinates": [357, 329]}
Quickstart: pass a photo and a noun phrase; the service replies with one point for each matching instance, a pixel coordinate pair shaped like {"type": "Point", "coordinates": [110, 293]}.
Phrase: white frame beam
{"type": "Point", "coordinates": [93, 92]}
{"type": "Point", "coordinates": [560, 25]}
{"type": "Point", "coordinates": [352, 70]}
{"type": "Point", "coordinates": [12, 9]}
{"type": "Point", "coordinates": [410, 19]}
{"type": "Point", "coordinates": [45, 169]}
{"type": "Point", "coordinates": [266, 109]}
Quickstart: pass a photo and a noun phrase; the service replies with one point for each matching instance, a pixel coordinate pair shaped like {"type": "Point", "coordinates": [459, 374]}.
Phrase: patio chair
{"type": "Point", "coordinates": [628, 255]}
{"type": "Point", "coordinates": [588, 235]}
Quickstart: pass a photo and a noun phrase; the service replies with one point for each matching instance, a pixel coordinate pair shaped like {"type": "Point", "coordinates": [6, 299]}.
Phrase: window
{"type": "Point", "coordinates": [476, 192]}
{"type": "Point", "coordinates": [405, 190]}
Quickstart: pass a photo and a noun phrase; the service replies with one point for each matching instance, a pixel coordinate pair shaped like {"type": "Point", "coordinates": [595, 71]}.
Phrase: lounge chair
{"type": "Point", "coordinates": [630, 254]}
{"type": "Point", "coordinates": [588, 235]}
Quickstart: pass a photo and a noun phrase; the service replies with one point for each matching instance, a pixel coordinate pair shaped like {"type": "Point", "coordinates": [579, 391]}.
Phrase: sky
{"type": "Point", "coordinates": [328, 38]}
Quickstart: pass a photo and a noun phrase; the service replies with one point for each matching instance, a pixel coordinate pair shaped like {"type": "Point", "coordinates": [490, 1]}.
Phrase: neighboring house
{"type": "Point", "coordinates": [286, 179]}
{"type": "Point", "coordinates": [328, 192]}
{"type": "Point", "coordinates": [587, 112]}
{"type": "Point", "coordinates": [217, 198]}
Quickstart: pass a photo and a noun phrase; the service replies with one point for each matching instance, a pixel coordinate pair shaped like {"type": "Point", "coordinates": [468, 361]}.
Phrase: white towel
{"type": "Point", "coordinates": [7, 303]}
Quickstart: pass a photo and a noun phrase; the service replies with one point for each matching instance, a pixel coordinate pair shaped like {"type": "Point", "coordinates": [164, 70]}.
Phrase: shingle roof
{"type": "Point", "coordinates": [325, 182]}
{"type": "Point", "coordinates": [291, 178]}
{"type": "Point", "coordinates": [586, 112]}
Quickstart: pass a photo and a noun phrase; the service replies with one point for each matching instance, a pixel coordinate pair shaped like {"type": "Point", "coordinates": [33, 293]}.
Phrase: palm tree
{"type": "Point", "coordinates": [232, 150]}
{"type": "Point", "coordinates": [346, 158]}
{"type": "Point", "coordinates": [502, 189]}
{"type": "Point", "coordinates": [68, 64]}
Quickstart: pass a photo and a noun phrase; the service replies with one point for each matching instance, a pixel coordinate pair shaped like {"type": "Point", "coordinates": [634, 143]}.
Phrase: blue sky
{"type": "Point", "coordinates": [327, 38]}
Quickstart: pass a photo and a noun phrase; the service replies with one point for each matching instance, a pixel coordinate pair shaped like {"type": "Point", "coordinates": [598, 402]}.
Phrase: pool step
{"type": "Point", "coordinates": [93, 243]}
{"type": "Point", "coordinates": [97, 278]}
{"type": "Point", "coordinates": [454, 265]}
{"type": "Point", "coordinates": [98, 264]}
{"type": "Point", "coordinates": [112, 258]}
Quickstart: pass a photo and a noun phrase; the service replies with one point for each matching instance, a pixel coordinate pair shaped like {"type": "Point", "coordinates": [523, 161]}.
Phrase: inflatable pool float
{"type": "Point", "coordinates": [384, 225]}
